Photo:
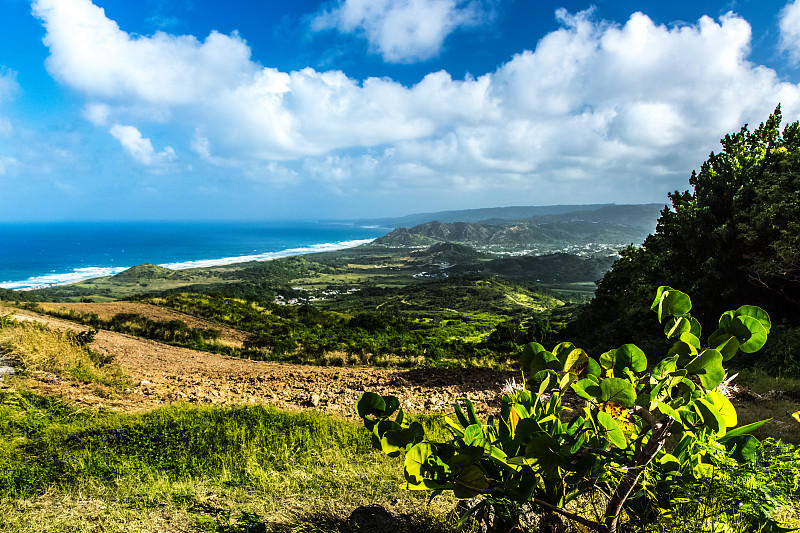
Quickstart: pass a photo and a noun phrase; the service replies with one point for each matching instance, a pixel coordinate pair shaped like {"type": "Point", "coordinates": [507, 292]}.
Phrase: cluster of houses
{"type": "Point", "coordinates": [323, 295]}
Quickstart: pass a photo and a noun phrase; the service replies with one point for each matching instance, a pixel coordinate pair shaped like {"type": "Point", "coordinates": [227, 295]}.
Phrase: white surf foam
{"type": "Point", "coordinates": [80, 274]}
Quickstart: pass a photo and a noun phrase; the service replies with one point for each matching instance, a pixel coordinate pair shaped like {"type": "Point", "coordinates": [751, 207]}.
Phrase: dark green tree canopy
{"type": "Point", "coordinates": [735, 236]}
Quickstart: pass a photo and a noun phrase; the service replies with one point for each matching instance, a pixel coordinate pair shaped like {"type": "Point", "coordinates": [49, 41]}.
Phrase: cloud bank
{"type": "Point", "coordinates": [594, 110]}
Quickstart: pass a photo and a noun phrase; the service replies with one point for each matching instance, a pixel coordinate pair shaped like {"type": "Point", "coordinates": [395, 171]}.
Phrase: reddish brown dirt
{"type": "Point", "coordinates": [161, 374]}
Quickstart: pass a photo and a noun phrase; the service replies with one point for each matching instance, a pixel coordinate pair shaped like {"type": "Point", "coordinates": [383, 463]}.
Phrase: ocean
{"type": "Point", "coordinates": [43, 254]}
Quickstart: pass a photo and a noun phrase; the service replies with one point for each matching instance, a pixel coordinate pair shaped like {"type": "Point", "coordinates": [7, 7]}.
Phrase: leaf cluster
{"type": "Point", "coordinates": [639, 436]}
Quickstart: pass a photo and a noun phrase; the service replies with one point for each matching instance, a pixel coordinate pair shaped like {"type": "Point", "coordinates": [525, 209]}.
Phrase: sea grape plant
{"type": "Point", "coordinates": [635, 433]}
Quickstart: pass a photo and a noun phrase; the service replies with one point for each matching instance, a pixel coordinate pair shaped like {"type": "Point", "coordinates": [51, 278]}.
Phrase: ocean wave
{"type": "Point", "coordinates": [80, 274]}
{"type": "Point", "coordinates": [48, 280]}
{"type": "Point", "coordinates": [314, 248]}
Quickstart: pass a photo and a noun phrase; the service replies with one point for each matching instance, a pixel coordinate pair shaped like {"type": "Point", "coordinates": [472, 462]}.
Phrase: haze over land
{"type": "Point", "coordinates": [344, 109]}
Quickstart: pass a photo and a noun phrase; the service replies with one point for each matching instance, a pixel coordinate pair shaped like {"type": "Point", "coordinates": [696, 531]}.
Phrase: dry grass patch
{"type": "Point", "coordinates": [64, 353]}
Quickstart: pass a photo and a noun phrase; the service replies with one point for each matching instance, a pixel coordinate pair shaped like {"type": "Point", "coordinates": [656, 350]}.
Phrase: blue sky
{"type": "Point", "coordinates": [185, 109]}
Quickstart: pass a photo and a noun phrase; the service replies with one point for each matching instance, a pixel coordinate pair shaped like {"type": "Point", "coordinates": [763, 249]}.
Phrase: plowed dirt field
{"type": "Point", "coordinates": [160, 374]}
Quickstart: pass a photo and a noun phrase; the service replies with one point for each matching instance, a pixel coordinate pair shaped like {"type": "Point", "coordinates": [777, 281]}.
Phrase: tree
{"type": "Point", "coordinates": [733, 237]}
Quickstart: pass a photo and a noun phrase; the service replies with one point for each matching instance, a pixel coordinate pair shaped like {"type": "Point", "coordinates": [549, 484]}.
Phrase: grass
{"type": "Point", "coordinates": [189, 469]}
{"type": "Point", "coordinates": [41, 349]}
{"type": "Point", "coordinates": [249, 469]}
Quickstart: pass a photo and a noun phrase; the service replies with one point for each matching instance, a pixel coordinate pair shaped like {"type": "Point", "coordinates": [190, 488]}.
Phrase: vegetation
{"type": "Point", "coordinates": [384, 337]}
{"type": "Point", "coordinates": [41, 349]}
{"type": "Point", "coordinates": [175, 332]}
{"type": "Point", "coordinates": [649, 435]}
{"type": "Point", "coordinates": [611, 457]}
{"type": "Point", "coordinates": [733, 237]}
{"type": "Point", "coordinates": [232, 470]}
{"type": "Point", "coordinates": [460, 321]}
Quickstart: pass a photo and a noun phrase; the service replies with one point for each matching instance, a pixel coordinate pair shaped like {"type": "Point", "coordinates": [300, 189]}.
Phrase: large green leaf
{"type": "Point", "coordinates": [690, 339]}
{"type": "Point", "coordinates": [474, 436]}
{"type": "Point", "coordinates": [665, 367]}
{"type": "Point", "coordinates": [673, 303]}
{"type": "Point", "coordinates": [390, 435]}
{"type": "Point", "coordinates": [471, 481]}
{"type": "Point", "coordinates": [544, 360]}
{"type": "Point", "coordinates": [617, 390]}
{"type": "Point", "coordinates": [370, 404]}
{"type": "Point", "coordinates": [712, 419]}
{"type": "Point", "coordinates": [544, 449]}
{"type": "Point", "coordinates": [580, 388]}
{"type": "Point", "coordinates": [415, 461]}
{"type": "Point", "coordinates": [659, 293]}
{"type": "Point", "coordinates": [725, 408]}
{"type": "Point", "coordinates": [528, 351]}
{"type": "Point", "coordinates": [607, 359]}
{"type": "Point", "coordinates": [612, 430]}
{"type": "Point", "coordinates": [742, 447]}
{"type": "Point", "coordinates": [750, 332]}
{"type": "Point", "coordinates": [675, 326]}
{"type": "Point", "coordinates": [741, 430]}
{"type": "Point", "coordinates": [593, 369]}
{"type": "Point", "coordinates": [757, 313]}
{"type": "Point", "coordinates": [708, 367]}
{"type": "Point", "coordinates": [696, 329]}
{"type": "Point", "coordinates": [575, 361]}
{"type": "Point", "coordinates": [562, 349]}
{"type": "Point", "coordinates": [726, 343]}
{"type": "Point", "coordinates": [629, 356]}
{"type": "Point", "coordinates": [725, 320]}
{"type": "Point", "coordinates": [667, 410]}
{"type": "Point", "coordinates": [669, 463]}
{"type": "Point", "coordinates": [684, 351]}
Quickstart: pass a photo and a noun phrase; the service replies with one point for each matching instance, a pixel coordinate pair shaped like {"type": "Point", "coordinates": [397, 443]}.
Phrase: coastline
{"type": "Point", "coordinates": [78, 275]}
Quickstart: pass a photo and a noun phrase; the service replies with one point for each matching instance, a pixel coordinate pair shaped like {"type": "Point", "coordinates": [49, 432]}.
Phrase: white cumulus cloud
{"type": "Point", "coordinates": [595, 111]}
{"type": "Point", "coordinates": [90, 53]}
{"type": "Point", "coordinates": [790, 30]}
{"type": "Point", "coordinates": [404, 30]}
{"type": "Point", "coordinates": [138, 147]}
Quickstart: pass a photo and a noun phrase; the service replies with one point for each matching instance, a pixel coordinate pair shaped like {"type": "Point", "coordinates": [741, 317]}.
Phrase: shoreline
{"type": "Point", "coordinates": [78, 275]}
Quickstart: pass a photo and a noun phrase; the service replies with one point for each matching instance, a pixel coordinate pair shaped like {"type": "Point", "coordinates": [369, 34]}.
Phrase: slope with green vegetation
{"type": "Point", "coordinates": [600, 230]}
{"type": "Point", "coordinates": [181, 468]}
{"type": "Point", "coordinates": [251, 468]}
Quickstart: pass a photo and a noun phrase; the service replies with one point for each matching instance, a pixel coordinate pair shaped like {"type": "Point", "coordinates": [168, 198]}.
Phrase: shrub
{"type": "Point", "coordinates": [640, 438]}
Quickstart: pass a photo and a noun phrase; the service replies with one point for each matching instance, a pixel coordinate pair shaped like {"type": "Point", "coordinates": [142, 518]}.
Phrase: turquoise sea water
{"type": "Point", "coordinates": [40, 254]}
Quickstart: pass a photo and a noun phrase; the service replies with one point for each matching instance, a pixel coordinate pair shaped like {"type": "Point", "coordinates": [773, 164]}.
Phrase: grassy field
{"type": "Point", "coordinates": [240, 469]}
{"type": "Point", "coordinates": [247, 469]}
{"type": "Point", "coordinates": [183, 468]}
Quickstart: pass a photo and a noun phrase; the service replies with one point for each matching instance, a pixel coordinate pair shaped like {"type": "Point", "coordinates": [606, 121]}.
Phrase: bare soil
{"type": "Point", "coordinates": [161, 374]}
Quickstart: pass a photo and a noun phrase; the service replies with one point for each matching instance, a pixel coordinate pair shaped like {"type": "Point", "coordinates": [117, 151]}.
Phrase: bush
{"type": "Point", "coordinates": [645, 437]}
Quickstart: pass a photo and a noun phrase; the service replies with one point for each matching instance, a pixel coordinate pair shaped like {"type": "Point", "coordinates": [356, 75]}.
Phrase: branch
{"type": "Point", "coordinates": [631, 477]}
{"type": "Point", "coordinates": [597, 526]}
{"type": "Point", "coordinates": [549, 506]}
